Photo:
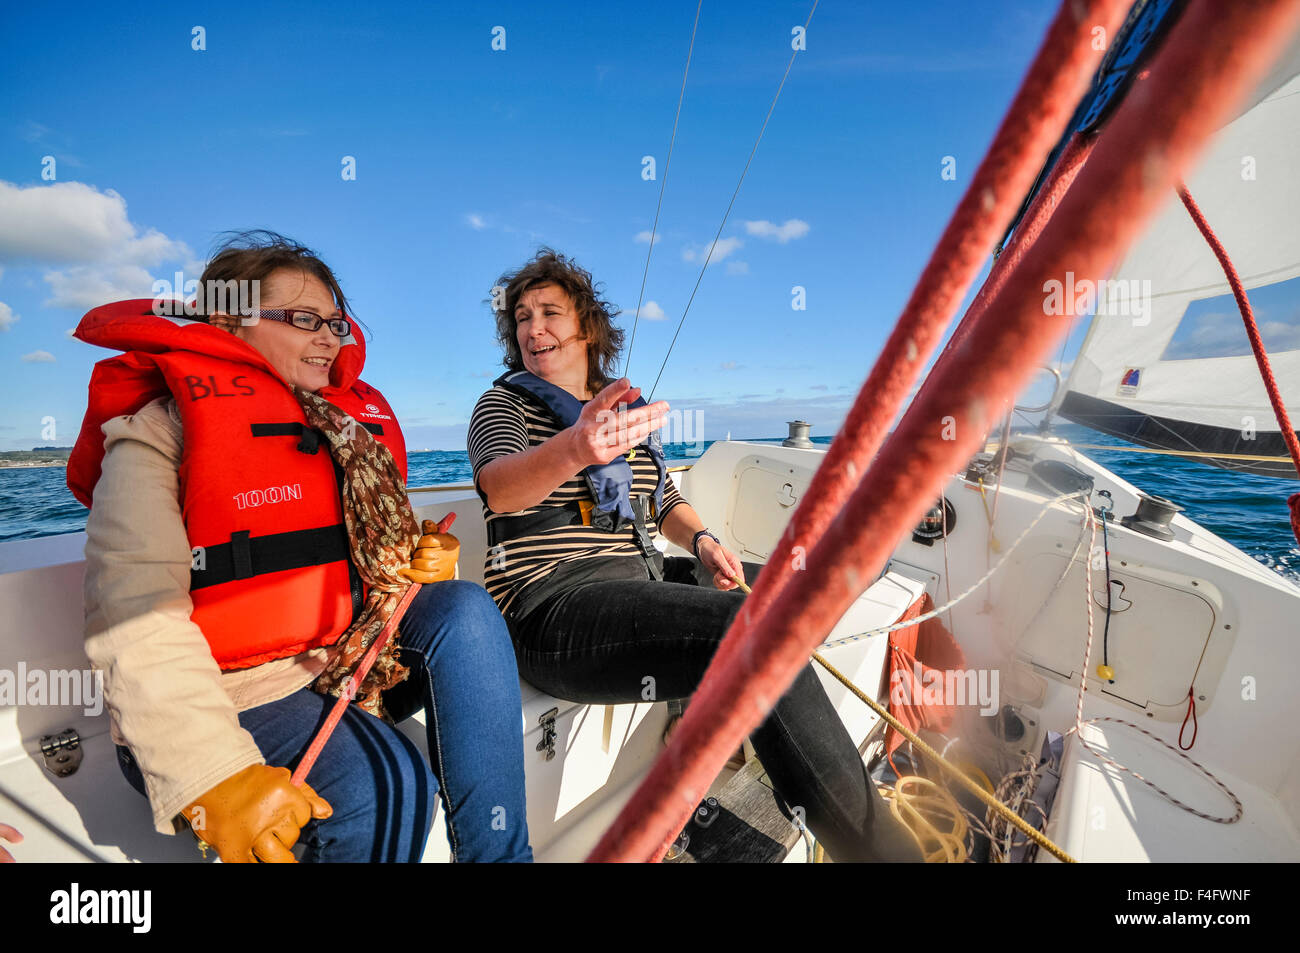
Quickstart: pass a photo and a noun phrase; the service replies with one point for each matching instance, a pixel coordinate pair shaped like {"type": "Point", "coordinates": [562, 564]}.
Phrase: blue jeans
{"type": "Point", "coordinates": [382, 790]}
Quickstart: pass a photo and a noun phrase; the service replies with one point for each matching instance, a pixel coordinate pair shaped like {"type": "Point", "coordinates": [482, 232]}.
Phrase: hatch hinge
{"type": "Point", "coordinates": [547, 721]}
{"type": "Point", "coordinates": [62, 752]}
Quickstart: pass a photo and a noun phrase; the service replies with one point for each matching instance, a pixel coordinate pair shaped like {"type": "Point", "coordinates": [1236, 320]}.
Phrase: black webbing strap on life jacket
{"type": "Point", "coordinates": [644, 543]}
{"type": "Point", "coordinates": [311, 437]}
{"type": "Point", "coordinates": [246, 556]}
{"type": "Point", "coordinates": [502, 528]}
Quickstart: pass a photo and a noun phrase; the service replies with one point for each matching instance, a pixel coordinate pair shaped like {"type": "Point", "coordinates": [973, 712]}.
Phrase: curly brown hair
{"type": "Point", "coordinates": [595, 314]}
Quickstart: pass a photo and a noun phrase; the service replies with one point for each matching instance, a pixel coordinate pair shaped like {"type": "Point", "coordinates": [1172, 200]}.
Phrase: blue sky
{"type": "Point", "coordinates": [467, 159]}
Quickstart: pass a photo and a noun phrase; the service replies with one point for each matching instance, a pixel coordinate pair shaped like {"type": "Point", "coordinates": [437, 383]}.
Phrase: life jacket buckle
{"type": "Point", "coordinates": [310, 441]}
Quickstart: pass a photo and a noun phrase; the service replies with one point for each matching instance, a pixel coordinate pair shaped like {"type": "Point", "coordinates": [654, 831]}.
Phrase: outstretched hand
{"type": "Point", "coordinates": [605, 431]}
{"type": "Point", "coordinates": [12, 836]}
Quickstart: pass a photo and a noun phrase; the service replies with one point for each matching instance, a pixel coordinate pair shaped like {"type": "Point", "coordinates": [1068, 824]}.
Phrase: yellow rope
{"type": "Point", "coordinates": [993, 540]}
{"type": "Point", "coordinates": [910, 802]}
{"type": "Point", "coordinates": [919, 810]}
{"type": "Point", "coordinates": [1171, 453]}
{"type": "Point", "coordinates": [1033, 834]}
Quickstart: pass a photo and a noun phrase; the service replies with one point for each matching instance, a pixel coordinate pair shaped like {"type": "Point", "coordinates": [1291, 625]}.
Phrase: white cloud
{"type": "Point", "coordinates": [791, 229]}
{"type": "Point", "coordinates": [74, 223]}
{"type": "Point", "coordinates": [721, 249]}
{"type": "Point", "coordinates": [92, 251]}
{"type": "Point", "coordinates": [7, 317]}
{"type": "Point", "coordinates": [651, 311]}
{"type": "Point", "coordinates": [39, 357]}
{"type": "Point", "coordinates": [475, 221]}
{"type": "Point", "coordinates": [730, 366]}
{"type": "Point", "coordinates": [644, 237]}
{"type": "Point", "coordinates": [737, 267]}
{"type": "Point", "coordinates": [88, 286]}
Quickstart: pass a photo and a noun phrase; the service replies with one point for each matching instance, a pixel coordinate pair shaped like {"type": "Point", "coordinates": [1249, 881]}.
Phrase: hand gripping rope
{"type": "Point", "coordinates": [363, 667]}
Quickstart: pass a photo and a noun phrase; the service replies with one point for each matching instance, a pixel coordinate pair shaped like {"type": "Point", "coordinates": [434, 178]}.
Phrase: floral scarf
{"type": "Point", "coordinates": [382, 532]}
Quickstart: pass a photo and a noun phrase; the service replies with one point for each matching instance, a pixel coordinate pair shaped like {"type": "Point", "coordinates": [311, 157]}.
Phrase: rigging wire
{"type": "Point", "coordinates": [727, 213]}
{"type": "Point", "coordinates": [663, 184]}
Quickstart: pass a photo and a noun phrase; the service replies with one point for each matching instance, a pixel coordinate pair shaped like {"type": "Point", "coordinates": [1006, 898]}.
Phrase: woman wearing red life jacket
{"type": "Point", "coordinates": [249, 534]}
{"type": "Point", "coordinates": [596, 613]}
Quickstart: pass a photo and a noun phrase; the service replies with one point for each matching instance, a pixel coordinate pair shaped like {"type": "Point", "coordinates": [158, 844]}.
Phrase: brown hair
{"type": "Point", "coordinates": [254, 254]}
{"type": "Point", "coordinates": [595, 314]}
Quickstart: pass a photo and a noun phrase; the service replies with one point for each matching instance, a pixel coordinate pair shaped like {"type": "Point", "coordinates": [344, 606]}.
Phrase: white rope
{"type": "Point", "coordinates": [727, 213]}
{"type": "Point", "coordinates": [979, 582]}
{"type": "Point", "coordinates": [1079, 721]}
{"type": "Point", "coordinates": [663, 184]}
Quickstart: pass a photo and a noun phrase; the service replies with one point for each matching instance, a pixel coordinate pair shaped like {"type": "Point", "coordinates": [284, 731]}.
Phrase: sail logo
{"type": "Point", "coordinates": [1128, 384]}
{"type": "Point", "coordinates": [1125, 298]}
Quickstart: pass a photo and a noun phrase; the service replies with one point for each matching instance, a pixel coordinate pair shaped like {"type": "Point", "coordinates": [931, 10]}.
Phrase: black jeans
{"type": "Point", "coordinates": [602, 632]}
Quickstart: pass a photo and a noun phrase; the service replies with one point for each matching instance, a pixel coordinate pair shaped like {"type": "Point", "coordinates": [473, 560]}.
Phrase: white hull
{"type": "Point", "coordinates": [1198, 606]}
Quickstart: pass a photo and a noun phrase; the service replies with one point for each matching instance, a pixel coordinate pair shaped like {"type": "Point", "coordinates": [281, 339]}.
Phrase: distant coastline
{"type": "Point", "coordinates": [42, 457]}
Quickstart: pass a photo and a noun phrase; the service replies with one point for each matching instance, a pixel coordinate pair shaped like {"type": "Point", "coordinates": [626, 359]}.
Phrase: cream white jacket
{"type": "Point", "coordinates": [167, 698]}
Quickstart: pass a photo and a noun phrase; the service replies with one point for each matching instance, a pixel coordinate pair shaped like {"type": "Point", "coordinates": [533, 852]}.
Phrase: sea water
{"type": "Point", "coordinates": [1248, 511]}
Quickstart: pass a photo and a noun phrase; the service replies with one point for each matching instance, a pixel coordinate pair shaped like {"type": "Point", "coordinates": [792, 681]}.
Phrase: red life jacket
{"type": "Point", "coordinates": [259, 496]}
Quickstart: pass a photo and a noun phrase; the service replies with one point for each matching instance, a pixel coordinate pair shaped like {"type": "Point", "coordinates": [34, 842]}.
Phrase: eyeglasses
{"type": "Point", "coordinates": [307, 320]}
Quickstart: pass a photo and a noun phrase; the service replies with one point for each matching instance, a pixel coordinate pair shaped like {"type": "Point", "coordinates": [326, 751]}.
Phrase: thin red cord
{"type": "Point", "coordinates": [1256, 344]}
{"type": "Point", "coordinates": [1191, 713]}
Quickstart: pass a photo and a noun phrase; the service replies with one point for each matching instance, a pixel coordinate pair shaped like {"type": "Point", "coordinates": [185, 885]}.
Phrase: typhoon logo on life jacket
{"type": "Point", "coordinates": [373, 411]}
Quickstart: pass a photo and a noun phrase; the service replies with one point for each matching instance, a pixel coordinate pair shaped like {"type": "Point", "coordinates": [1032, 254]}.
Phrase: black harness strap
{"type": "Point", "coordinates": [246, 556]}
{"type": "Point", "coordinates": [311, 437]}
{"type": "Point", "coordinates": [502, 528]}
{"type": "Point", "coordinates": [644, 542]}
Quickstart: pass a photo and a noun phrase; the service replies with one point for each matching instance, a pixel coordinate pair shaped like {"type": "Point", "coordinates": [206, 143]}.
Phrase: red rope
{"type": "Point", "coordinates": [1256, 344]}
{"type": "Point", "coordinates": [350, 688]}
{"type": "Point", "coordinates": [1191, 714]}
{"type": "Point", "coordinates": [1150, 140]}
{"type": "Point", "coordinates": [359, 675]}
{"type": "Point", "coordinates": [1057, 78]}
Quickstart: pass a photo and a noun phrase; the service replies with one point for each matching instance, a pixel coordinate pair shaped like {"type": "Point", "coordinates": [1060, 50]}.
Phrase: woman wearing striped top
{"type": "Point", "coordinates": [597, 615]}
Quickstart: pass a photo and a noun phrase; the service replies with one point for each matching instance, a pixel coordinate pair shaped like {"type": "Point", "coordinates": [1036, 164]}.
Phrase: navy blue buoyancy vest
{"type": "Point", "coordinates": [610, 483]}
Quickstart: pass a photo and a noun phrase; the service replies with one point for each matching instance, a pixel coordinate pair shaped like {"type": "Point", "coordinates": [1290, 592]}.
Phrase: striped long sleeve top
{"type": "Point", "coordinates": [504, 422]}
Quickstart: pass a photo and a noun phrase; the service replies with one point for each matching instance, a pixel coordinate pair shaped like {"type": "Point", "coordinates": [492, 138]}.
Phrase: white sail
{"type": "Point", "coordinates": [1166, 361]}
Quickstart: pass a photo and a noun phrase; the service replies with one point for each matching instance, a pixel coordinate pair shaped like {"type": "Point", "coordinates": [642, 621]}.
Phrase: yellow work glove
{"type": "Point", "coordinates": [255, 815]}
{"type": "Point", "coordinates": [435, 555]}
